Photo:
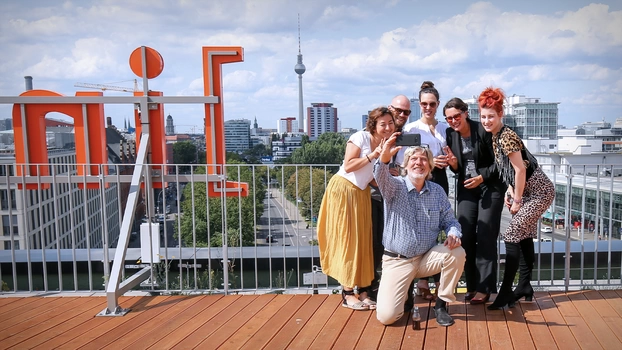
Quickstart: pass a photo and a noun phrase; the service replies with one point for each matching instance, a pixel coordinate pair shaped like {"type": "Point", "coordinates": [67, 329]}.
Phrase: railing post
{"type": "Point", "coordinates": [568, 229]}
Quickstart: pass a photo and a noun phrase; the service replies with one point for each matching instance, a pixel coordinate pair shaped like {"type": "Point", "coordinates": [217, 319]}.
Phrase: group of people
{"type": "Point", "coordinates": [397, 231]}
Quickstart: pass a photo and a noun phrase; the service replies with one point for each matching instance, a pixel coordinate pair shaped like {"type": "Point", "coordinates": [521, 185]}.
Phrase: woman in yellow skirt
{"type": "Point", "coordinates": [344, 225]}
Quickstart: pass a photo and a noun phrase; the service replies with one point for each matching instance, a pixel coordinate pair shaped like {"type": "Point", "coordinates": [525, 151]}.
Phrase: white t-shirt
{"type": "Point", "coordinates": [434, 142]}
{"type": "Point", "coordinates": [363, 176]}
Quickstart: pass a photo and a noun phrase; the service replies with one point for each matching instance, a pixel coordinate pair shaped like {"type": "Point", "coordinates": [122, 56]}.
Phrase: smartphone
{"type": "Point", "coordinates": [408, 140]}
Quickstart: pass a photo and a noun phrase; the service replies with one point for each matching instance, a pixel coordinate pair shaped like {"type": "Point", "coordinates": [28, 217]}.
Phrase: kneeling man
{"type": "Point", "coordinates": [415, 211]}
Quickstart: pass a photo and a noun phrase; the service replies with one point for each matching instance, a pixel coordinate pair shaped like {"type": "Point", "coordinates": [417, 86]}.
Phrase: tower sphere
{"type": "Point", "coordinates": [300, 68]}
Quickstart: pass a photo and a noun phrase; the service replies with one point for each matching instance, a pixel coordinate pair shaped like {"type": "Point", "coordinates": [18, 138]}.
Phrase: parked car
{"type": "Point", "coordinates": [547, 229]}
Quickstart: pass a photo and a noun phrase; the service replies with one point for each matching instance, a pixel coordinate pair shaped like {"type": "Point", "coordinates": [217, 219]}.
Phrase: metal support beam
{"type": "Point", "coordinates": [113, 291]}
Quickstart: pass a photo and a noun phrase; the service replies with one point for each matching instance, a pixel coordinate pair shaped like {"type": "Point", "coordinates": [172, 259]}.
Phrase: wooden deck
{"type": "Point", "coordinates": [576, 320]}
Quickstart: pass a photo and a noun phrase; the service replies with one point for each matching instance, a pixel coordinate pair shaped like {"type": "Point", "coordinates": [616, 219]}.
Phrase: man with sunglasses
{"type": "Point", "coordinates": [416, 210]}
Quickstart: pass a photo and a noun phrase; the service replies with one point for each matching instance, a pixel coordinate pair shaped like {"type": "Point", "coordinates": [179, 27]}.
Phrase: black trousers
{"type": "Point", "coordinates": [377, 219]}
{"type": "Point", "coordinates": [479, 214]}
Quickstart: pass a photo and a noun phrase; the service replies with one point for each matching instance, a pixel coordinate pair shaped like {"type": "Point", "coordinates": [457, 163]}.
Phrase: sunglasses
{"type": "Point", "coordinates": [431, 104]}
{"type": "Point", "coordinates": [399, 111]}
{"type": "Point", "coordinates": [456, 117]}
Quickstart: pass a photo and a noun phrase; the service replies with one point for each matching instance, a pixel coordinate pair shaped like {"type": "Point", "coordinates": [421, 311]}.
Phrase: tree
{"type": "Point", "coordinates": [329, 148]}
{"type": "Point", "coordinates": [184, 152]}
{"type": "Point", "coordinates": [202, 218]}
{"type": "Point", "coordinates": [307, 187]}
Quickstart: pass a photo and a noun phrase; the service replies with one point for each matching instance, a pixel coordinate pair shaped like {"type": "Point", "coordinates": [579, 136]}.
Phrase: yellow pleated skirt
{"type": "Point", "coordinates": [344, 231]}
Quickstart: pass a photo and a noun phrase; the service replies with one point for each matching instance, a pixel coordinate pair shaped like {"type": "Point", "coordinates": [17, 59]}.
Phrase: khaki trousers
{"type": "Point", "coordinates": [399, 273]}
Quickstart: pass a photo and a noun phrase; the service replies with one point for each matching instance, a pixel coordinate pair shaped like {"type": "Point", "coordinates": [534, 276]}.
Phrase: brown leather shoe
{"type": "Point", "coordinates": [477, 301]}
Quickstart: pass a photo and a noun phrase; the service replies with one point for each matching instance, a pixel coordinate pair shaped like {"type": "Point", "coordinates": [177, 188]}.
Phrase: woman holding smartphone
{"type": "Point", "coordinates": [479, 193]}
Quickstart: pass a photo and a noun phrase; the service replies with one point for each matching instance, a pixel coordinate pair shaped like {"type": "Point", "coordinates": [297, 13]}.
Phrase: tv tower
{"type": "Point", "coordinates": [300, 69]}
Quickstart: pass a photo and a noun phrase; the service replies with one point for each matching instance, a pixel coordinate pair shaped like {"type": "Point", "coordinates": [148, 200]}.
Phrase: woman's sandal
{"type": "Point", "coordinates": [367, 300]}
{"type": "Point", "coordinates": [356, 306]}
{"type": "Point", "coordinates": [425, 293]}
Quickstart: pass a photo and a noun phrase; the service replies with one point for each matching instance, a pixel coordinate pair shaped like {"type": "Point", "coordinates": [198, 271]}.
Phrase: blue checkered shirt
{"type": "Point", "coordinates": [413, 219]}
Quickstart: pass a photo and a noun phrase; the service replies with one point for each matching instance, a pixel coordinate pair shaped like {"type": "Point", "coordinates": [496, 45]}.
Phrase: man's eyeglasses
{"type": "Point", "coordinates": [431, 104]}
{"type": "Point", "coordinates": [399, 111]}
{"type": "Point", "coordinates": [456, 117]}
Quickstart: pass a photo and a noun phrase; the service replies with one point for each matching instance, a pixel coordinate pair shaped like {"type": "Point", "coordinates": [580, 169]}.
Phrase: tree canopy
{"type": "Point", "coordinates": [205, 214]}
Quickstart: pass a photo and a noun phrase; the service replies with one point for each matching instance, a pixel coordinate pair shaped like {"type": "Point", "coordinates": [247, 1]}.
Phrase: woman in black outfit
{"type": "Point", "coordinates": [480, 198]}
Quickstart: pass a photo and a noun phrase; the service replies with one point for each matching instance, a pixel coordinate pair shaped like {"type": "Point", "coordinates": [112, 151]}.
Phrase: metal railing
{"type": "Point", "coordinates": [69, 238]}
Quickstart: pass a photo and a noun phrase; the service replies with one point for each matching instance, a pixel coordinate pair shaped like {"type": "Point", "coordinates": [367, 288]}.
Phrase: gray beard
{"type": "Point", "coordinates": [414, 178]}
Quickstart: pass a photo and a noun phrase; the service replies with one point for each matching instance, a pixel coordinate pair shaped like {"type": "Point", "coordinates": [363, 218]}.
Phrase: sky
{"type": "Point", "coordinates": [358, 54]}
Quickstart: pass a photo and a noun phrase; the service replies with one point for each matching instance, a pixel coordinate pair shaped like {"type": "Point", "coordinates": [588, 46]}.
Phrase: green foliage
{"type": "Point", "coordinates": [329, 148]}
{"type": "Point", "coordinates": [184, 152]}
{"type": "Point", "coordinates": [205, 214]}
{"type": "Point", "coordinates": [308, 186]}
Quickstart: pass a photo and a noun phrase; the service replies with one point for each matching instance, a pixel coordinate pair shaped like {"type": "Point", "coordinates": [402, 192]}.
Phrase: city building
{"type": "Point", "coordinates": [170, 126]}
{"type": "Point", "coordinates": [62, 216]}
{"type": "Point", "coordinates": [284, 147]}
{"type": "Point", "coordinates": [347, 132]}
{"type": "Point", "coordinates": [364, 118]}
{"type": "Point", "coordinates": [321, 118]}
{"type": "Point", "coordinates": [415, 110]}
{"type": "Point", "coordinates": [237, 135]}
{"type": "Point", "coordinates": [288, 125]}
{"type": "Point", "coordinates": [529, 116]}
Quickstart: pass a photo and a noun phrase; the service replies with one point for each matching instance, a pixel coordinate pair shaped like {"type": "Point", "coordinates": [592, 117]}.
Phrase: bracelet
{"type": "Point", "coordinates": [366, 156]}
{"type": "Point", "coordinates": [519, 201]}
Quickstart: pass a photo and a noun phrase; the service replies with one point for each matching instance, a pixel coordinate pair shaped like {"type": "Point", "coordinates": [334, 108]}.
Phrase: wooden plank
{"type": "Point", "coordinates": [169, 326]}
{"type": "Point", "coordinates": [372, 334]}
{"type": "Point", "coordinates": [16, 303]}
{"type": "Point", "coordinates": [247, 323]}
{"type": "Point", "coordinates": [311, 329]}
{"type": "Point", "coordinates": [394, 335]}
{"type": "Point", "coordinates": [435, 335]}
{"type": "Point", "coordinates": [414, 339]}
{"type": "Point", "coordinates": [102, 326]}
{"type": "Point", "coordinates": [563, 337]}
{"type": "Point", "coordinates": [21, 320]}
{"type": "Point", "coordinates": [88, 322]}
{"type": "Point", "coordinates": [477, 327]}
{"type": "Point", "coordinates": [334, 326]}
{"type": "Point", "coordinates": [282, 318]}
{"type": "Point", "coordinates": [197, 322]}
{"type": "Point", "coordinates": [352, 333]}
{"type": "Point", "coordinates": [614, 300]}
{"type": "Point", "coordinates": [606, 311]}
{"type": "Point", "coordinates": [582, 333]}
{"type": "Point", "coordinates": [528, 327]}
{"type": "Point", "coordinates": [599, 327]}
{"type": "Point", "coordinates": [5, 301]}
{"type": "Point", "coordinates": [457, 337]}
{"type": "Point", "coordinates": [179, 304]}
{"type": "Point", "coordinates": [295, 324]}
{"type": "Point", "coordinates": [37, 324]}
{"type": "Point", "coordinates": [65, 321]}
{"type": "Point", "coordinates": [214, 322]}
{"type": "Point", "coordinates": [258, 331]}
{"type": "Point", "coordinates": [119, 332]}
{"type": "Point", "coordinates": [498, 329]}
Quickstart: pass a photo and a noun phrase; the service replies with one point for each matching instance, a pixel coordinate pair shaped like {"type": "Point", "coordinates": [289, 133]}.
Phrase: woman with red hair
{"type": "Point", "coordinates": [528, 196]}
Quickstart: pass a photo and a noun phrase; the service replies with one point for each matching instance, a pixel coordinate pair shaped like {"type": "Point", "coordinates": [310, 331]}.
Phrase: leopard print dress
{"type": "Point", "coordinates": [539, 191]}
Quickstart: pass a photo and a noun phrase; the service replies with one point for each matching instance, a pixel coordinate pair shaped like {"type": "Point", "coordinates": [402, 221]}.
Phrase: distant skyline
{"type": "Point", "coordinates": [358, 54]}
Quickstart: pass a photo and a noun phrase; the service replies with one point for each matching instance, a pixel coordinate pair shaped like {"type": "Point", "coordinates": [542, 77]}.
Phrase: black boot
{"type": "Point", "coordinates": [506, 296]}
{"type": "Point", "coordinates": [524, 288]}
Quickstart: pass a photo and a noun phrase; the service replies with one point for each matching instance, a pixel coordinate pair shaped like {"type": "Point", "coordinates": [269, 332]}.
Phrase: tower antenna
{"type": "Point", "coordinates": [300, 69]}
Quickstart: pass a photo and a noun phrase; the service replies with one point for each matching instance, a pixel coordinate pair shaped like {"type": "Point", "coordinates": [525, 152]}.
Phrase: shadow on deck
{"type": "Point", "coordinates": [574, 320]}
